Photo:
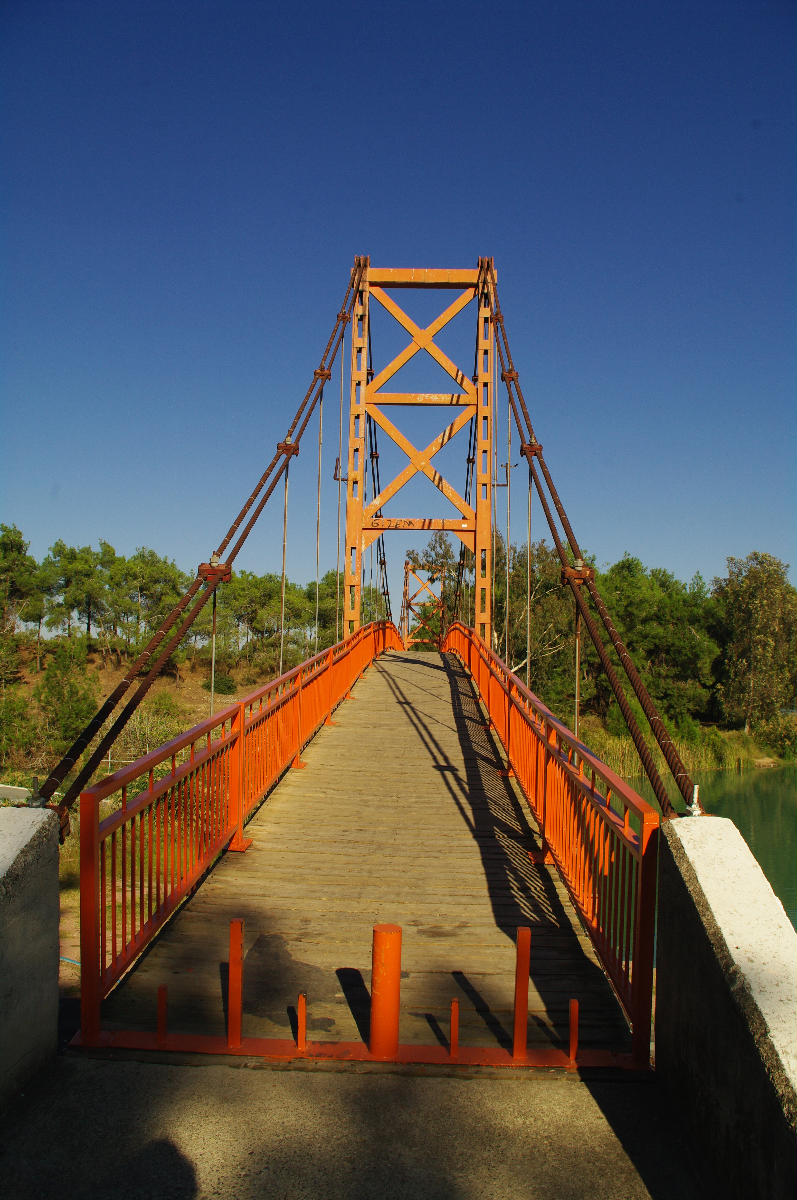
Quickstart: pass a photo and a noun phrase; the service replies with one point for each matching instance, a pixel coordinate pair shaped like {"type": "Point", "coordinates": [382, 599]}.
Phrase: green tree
{"type": "Point", "coordinates": [758, 610]}
{"type": "Point", "coordinates": [79, 577]}
{"type": "Point", "coordinates": [67, 693]}
{"type": "Point", "coordinates": [665, 625]}
{"type": "Point", "coordinates": [18, 582]}
{"type": "Point", "coordinates": [146, 588]}
{"type": "Point", "coordinates": [19, 735]}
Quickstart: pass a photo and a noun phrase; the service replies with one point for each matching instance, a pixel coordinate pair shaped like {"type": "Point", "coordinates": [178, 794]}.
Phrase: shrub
{"type": "Point", "coordinates": [19, 731]}
{"type": "Point", "coordinates": [225, 684]}
{"type": "Point", "coordinates": [67, 694]}
{"type": "Point", "coordinates": [779, 734]}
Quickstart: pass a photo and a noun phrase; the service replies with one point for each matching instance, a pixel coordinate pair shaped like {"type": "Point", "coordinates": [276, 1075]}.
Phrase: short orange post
{"type": "Point", "coordinates": [522, 962]}
{"type": "Point", "coordinates": [301, 1022]}
{"type": "Point", "coordinates": [573, 1032]}
{"type": "Point", "coordinates": [385, 991]}
{"type": "Point", "coordinates": [453, 1037]}
{"type": "Point", "coordinates": [163, 1001]}
{"type": "Point", "coordinates": [235, 984]}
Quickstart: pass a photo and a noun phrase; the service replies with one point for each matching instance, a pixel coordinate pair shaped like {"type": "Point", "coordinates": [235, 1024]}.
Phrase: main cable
{"type": "Point", "coordinates": [216, 571]}
{"type": "Point", "coordinates": [532, 451]}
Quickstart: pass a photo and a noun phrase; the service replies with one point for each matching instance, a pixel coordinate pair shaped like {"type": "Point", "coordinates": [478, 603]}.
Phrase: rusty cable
{"type": "Point", "coordinates": [284, 452]}
{"type": "Point", "coordinates": [528, 585]}
{"type": "Point", "coordinates": [642, 748]}
{"type": "Point", "coordinates": [532, 450]}
{"type": "Point", "coordinates": [318, 513]}
{"type": "Point", "coordinates": [284, 548]}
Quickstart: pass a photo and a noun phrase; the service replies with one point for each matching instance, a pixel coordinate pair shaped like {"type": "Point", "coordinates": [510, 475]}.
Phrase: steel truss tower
{"type": "Point", "coordinates": [473, 399]}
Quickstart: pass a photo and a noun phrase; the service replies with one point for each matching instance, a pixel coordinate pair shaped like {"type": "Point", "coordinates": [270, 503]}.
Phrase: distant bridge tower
{"type": "Point", "coordinates": [472, 397]}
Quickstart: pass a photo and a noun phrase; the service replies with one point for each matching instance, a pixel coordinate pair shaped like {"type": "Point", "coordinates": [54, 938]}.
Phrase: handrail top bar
{"type": "Point", "coordinates": [618, 785]}
{"type": "Point", "coordinates": [125, 775]}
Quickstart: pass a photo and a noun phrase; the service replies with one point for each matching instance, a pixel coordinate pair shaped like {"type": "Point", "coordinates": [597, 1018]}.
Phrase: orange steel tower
{"type": "Point", "coordinates": [473, 398]}
{"type": "Point", "coordinates": [425, 609]}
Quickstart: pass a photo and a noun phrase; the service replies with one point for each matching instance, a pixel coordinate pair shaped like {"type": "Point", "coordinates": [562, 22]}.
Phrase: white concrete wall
{"type": "Point", "coordinates": [726, 1007]}
{"type": "Point", "coordinates": [29, 954]}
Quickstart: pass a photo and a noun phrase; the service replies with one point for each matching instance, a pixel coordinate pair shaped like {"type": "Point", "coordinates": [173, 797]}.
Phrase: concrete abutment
{"type": "Point", "coordinates": [726, 1008]}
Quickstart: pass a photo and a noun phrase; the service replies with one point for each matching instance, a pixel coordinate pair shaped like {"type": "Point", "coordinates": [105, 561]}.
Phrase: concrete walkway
{"type": "Point", "coordinates": [117, 1129]}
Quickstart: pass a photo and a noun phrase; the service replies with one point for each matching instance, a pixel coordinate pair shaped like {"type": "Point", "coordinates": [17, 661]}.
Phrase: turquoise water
{"type": "Point", "coordinates": [762, 803]}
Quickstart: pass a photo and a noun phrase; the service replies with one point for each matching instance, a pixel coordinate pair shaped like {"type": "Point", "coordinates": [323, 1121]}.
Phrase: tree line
{"type": "Point", "coordinates": [723, 654]}
{"type": "Point", "coordinates": [710, 655]}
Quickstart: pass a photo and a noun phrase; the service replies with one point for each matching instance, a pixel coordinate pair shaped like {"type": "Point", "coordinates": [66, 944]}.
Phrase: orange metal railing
{"type": "Point", "coordinates": [600, 834]}
{"type": "Point", "coordinates": [150, 831]}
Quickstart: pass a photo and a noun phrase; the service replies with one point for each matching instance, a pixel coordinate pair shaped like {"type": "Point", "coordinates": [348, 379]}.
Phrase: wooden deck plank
{"type": "Point", "coordinates": [401, 816]}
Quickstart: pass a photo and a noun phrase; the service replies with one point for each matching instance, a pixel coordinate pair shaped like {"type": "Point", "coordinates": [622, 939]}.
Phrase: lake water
{"type": "Point", "coordinates": [762, 803]}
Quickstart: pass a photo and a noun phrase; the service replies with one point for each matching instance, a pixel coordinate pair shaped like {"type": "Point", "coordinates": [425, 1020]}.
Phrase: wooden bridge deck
{"type": "Point", "coordinates": [402, 816]}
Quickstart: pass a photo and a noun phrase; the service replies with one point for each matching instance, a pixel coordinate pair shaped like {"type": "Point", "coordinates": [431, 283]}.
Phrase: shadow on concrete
{"type": "Point", "coordinates": [131, 1129]}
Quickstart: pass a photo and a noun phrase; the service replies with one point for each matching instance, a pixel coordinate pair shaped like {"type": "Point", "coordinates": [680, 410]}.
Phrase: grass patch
{"type": "Point", "coordinates": [713, 750]}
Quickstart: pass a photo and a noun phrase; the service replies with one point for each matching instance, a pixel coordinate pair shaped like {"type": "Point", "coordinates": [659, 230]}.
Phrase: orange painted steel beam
{"type": "Point", "coordinates": [383, 1045]}
{"type": "Point", "coordinates": [428, 277]}
{"type": "Point", "coordinates": [424, 611]}
{"type": "Point", "coordinates": [420, 460]}
{"type": "Point", "coordinates": [286, 1050]}
{"type": "Point", "coordinates": [453, 524]}
{"type": "Point", "coordinates": [473, 398]}
{"type": "Point", "coordinates": [436, 399]}
{"type": "Point", "coordinates": [356, 474]}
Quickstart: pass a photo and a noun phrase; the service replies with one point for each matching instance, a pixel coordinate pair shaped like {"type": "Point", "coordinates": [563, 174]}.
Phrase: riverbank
{"type": "Point", "coordinates": [713, 750]}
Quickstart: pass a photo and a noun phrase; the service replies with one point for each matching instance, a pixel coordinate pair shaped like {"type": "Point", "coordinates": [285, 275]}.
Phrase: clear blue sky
{"type": "Point", "coordinates": [186, 186]}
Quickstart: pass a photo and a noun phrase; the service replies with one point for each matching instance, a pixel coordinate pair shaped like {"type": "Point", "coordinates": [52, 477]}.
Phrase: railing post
{"type": "Point", "coordinates": [328, 720]}
{"type": "Point", "coordinates": [509, 768]}
{"type": "Point", "coordinates": [297, 760]}
{"type": "Point", "coordinates": [90, 967]}
{"type": "Point", "coordinates": [237, 780]}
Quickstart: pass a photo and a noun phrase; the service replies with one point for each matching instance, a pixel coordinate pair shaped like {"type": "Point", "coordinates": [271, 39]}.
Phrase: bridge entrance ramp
{"type": "Point", "coordinates": [404, 813]}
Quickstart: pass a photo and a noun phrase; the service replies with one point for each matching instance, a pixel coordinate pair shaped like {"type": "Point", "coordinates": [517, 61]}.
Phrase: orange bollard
{"type": "Point", "coordinates": [235, 984]}
{"type": "Point", "coordinates": [453, 1037]}
{"type": "Point", "coordinates": [385, 991]}
{"type": "Point", "coordinates": [522, 961]}
{"type": "Point", "coordinates": [573, 1032]}
{"type": "Point", "coordinates": [301, 1022]}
